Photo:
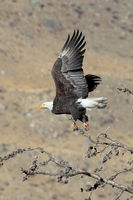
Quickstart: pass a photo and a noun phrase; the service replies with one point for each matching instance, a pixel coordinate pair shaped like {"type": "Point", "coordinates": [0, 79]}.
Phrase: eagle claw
{"type": "Point", "coordinates": [74, 127]}
{"type": "Point", "coordinates": [86, 126]}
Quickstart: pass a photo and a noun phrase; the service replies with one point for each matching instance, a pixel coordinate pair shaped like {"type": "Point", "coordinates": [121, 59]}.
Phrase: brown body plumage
{"type": "Point", "coordinates": [71, 84]}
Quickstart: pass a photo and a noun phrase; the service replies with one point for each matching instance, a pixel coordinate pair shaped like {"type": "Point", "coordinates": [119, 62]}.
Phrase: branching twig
{"type": "Point", "coordinates": [126, 90]}
{"type": "Point", "coordinates": [121, 172]}
{"type": "Point", "coordinates": [119, 195]}
{"type": "Point", "coordinates": [101, 180]}
{"type": "Point", "coordinates": [64, 170]}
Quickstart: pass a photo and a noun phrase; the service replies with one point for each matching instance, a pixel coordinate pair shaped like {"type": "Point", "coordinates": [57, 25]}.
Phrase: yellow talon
{"type": "Point", "coordinates": [74, 127]}
{"type": "Point", "coordinates": [86, 126]}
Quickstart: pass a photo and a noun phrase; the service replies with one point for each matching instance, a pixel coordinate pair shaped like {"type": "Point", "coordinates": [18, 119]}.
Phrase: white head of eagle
{"type": "Point", "coordinates": [72, 86]}
{"type": "Point", "coordinates": [47, 105]}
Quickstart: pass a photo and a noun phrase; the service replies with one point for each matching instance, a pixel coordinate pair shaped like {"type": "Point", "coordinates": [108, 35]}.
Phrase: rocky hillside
{"type": "Point", "coordinates": [32, 33]}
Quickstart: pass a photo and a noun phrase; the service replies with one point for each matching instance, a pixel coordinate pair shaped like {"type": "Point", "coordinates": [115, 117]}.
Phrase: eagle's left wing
{"type": "Point", "coordinates": [72, 55]}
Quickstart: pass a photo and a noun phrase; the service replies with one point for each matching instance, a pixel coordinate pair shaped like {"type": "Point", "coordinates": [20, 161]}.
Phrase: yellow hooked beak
{"type": "Point", "coordinates": [41, 107]}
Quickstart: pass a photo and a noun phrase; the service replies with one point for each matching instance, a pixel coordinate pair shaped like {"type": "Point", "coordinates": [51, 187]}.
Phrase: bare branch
{"type": "Point", "coordinates": [126, 90]}
{"type": "Point", "coordinates": [64, 170]}
{"type": "Point", "coordinates": [119, 195]}
{"type": "Point", "coordinates": [121, 172]}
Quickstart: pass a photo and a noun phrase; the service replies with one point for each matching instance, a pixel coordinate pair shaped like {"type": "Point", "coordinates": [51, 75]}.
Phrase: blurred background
{"type": "Point", "coordinates": [32, 33]}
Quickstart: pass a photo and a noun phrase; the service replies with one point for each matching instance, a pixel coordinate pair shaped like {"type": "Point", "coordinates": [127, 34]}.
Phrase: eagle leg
{"type": "Point", "coordinates": [86, 126]}
{"type": "Point", "coordinates": [74, 126]}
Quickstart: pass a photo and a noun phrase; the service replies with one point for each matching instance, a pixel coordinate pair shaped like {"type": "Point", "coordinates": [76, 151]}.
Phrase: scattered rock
{"type": "Point", "coordinates": [116, 1]}
{"type": "Point", "coordinates": [130, 30]}
{"type": "Point", "coordinates": [79, 11]}
{"type": "Point", "coordinates": [2, 72]}
{"type": "Point", "coordinates": [32, 124]}
{"type": "Point", "coordinates": [6, 183]}
{"type": "Point", "coordinates": [3, 148]}
{"type": "Point", "coordinates": [28, 114]}
{"type": "Point", "coordinates": [2, 97]}
{"type": "Point", "coordinates": [50, 4]}
{"type": "Point", "coordinates": [1, 189]}
{"type": "Point", "coordinates": [115, 17]}
{"type": "Point", "coordinates": [3, 107]}
{"type": "Point", "coordinates": [38, 3]}
{"type": "Point", "coordinates": [122, 38]}
{"type": "Point", "coordinates": [2, 90]}
{"type": "Point", "coordinates": [107, 120]}
{"type": "Point", "coordinates": [92, 4]}
{"type": "Point", "coordinates": [102, 196]}
{"type": "Point", "coordinates": [96, 24]}
{"type": "Point", "coordinates": [52, 23]}
{"type": "Point", "coordinates": [54, 197]}
{"type": "Point", "coordinates": [108, 9]}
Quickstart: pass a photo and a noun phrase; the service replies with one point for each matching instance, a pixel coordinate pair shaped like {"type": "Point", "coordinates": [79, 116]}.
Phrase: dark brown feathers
{"type": "Point", "coordinates": [72, 55]}
{"type": "Point", "coordinates": [92, 81]}
{"type": "Point", "coordinates": [72, 52]}
{"type": "Point", "coordinates": [67, 71]}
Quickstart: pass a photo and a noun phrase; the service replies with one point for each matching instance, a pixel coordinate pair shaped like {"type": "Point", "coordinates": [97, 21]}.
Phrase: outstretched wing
{"type": "Point", "coordinates": [67, 71]}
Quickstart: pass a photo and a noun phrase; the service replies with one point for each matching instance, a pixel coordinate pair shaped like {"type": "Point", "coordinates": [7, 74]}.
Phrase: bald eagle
{"type": "Point", "coordinates": [72, 86]}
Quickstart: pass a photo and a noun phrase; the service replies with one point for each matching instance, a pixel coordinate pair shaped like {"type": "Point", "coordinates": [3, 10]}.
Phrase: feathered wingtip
{"type": "Point", "coordinates": [76, 40]}
{"type": "Point", "coordinates": [72, 53]}
{"type": "Point", "coordinates": [93, 81]}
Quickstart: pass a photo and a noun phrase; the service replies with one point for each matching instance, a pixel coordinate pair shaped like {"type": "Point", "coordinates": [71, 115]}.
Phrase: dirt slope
{"type": "Point", "coordinates": [32, 33]}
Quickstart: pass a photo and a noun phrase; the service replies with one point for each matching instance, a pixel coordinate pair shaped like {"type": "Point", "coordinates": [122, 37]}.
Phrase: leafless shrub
{"type": "Point", "coordinates": [103, 145]}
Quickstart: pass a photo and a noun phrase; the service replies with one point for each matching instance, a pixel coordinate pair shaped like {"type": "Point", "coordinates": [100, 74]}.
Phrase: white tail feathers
{"type": "Point", "coordinates": [99, 102]}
